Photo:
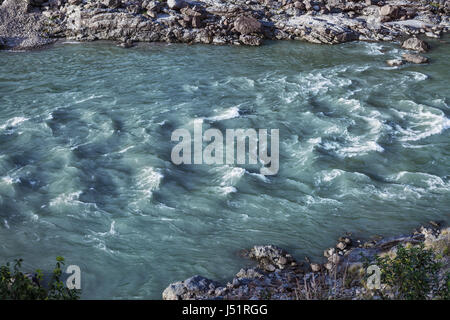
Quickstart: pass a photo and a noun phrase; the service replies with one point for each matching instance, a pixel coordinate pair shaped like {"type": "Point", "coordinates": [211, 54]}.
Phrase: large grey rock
{"type": "Point", "coordinates": [247, 25]}
{"type": "Point", "coordinates": [193, 288]}
{"type": "Point", "coordinates": [415, 58]}
{"type": "Point", "coordinates": [415, 44]}
{"type": "Point", "coordinates": [176, 4]}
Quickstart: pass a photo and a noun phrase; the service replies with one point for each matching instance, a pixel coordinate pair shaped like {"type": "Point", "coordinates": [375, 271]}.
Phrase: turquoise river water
{"type": "Point", "coordinates": [86, 173]}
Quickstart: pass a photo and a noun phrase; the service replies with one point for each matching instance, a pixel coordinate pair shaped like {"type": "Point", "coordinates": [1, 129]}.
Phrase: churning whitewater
{"type": "Point", "coordinates": [85, 167]}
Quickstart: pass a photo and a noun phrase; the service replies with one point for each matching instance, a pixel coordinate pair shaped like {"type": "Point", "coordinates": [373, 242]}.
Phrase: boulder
{"type": "Point", "coordinates": [247, 25]}
{"type": "Point", "coordinates": [176, 4]}
{"type": "Point", "coordinates": [415, 44]}
{"type": "Point", "coordinates": [388, 12]}
{"type": "Point", "coordinates": [415, 58]}
{"type": "Point", "coordinates": [192, 288]}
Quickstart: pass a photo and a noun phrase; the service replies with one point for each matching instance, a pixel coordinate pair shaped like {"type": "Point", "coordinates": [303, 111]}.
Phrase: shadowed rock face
{"type": "Point", "coordinates": [218, 22]}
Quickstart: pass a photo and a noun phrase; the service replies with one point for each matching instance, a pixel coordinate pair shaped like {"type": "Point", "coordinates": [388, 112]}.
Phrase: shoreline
{"type": "Point", "coordinates": [341, 275]}
{"type": "Point", "coordinates": [31, 24]}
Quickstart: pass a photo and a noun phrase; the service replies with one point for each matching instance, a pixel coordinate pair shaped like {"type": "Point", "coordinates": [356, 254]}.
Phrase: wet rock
{"type": "Point", "coordinates": [415, 44]}
{"type": "Point", "coordinates": [250, 40]}
{"type": "Point", "coordinates": [247, 25]}
{"type": "Point", "coordinates": [126, 44]}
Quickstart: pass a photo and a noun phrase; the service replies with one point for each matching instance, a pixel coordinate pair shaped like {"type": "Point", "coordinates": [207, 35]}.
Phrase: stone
{"type": "Point", "coordinates": [415, 44]}
{"type": "Point", "coordinates": [176, 4]}
{"type": "Point", "coordinates": [194, 287]}
{"type": "Point", "coordinates": [341, 245]}
{"type": "Point", "coordinates": [196, 22]}
{"type": "Point", "coordinates": [250, 40]}
{"type": "Point", "coordinates": [315, 267]}
{"type": "Point", "coordinates": [415, 58]}
{"type": "Point", "coordinates": [327, 253]}
{"type": "Point", "coordinates": [395, 62]}
{"type": "Point", "coordinates": [388, 10]}
{"type": "Point", "coordinates": [247, 25]}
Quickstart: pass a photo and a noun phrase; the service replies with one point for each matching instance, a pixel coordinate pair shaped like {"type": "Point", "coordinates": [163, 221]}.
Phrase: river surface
{"type": "Point", "coordinates": [86, 172]}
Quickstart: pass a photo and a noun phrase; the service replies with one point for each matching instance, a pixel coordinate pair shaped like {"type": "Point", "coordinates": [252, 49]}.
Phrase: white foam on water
{"type": "Point", "coordinates": [422, 122]}
{"type": "Point", "coordinates": [13, 122]}
{"type": "Point", "coordinates": [126, 149]}
{"type": "Point", "coordinates": [66, 199]}
{"type": "Point", "coordinates": [320, 82]}
{"type": "Point", "coordinates": [328, 176]}
{"type": "Point", "coordinates": [112, 231]}
{"type": "Point", "coordinates": [91, 97]}
{"type": "Point", "coordinates": [9, 180]}
{"type": "Point", "coordinates": [227, 190]}
{"type": "Point", "coordinates": [190, 88]}
{"type": "Point", "coordinates": [373, 49]}
{"type": "Point", "coordinates": [232, 176]}
{"type": "Point", "coordinates": [418, 76]}
{"type": "Point", "coordinates": [98, 243]}
{"type": "Point", "coordinates": [149, 180]}
{"type": "Point", "coordinates": [419, 180]}
{"type": "Point", "coordinates": [230, 113]}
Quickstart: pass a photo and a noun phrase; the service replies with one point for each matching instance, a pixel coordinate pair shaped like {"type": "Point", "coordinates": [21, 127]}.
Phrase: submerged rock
{"type": "Point", "coordinates": [414, 58]}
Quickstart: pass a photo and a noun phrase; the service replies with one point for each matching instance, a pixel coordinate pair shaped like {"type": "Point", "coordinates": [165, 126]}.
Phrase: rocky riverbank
{"type": "Point", "coordinates": [342, 274]}
{"type": "Point", "coordinates": [28, 24]}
